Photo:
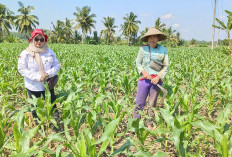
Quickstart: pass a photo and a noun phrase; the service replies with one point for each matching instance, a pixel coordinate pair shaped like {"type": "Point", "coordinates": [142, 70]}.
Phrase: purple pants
{"type": "Point", "coordinates": [145, 88]}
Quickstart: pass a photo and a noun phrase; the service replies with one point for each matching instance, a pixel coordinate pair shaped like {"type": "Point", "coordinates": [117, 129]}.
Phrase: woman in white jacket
{"type": "Point", "coordinates": [37, 63]}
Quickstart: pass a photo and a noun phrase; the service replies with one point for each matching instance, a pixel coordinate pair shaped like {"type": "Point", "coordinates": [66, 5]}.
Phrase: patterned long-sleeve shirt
{"type": "Point", "coordinates": [159, 54]}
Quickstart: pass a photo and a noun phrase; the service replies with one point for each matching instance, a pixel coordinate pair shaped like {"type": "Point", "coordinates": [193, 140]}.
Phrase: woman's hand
{"type": "Point", "coordinates": [146, 75]}
{"type": "Point", "coordinates": [44, 77]}
{"type": "Point", "coordinates": [155, 80]}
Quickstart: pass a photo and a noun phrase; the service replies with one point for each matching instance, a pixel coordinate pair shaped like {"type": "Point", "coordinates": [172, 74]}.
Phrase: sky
{"type": "Point", "coordinates": [192, 18]}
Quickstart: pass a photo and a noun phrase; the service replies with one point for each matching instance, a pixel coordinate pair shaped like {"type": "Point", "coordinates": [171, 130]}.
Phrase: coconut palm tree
{"type": "Point", "coordinates": [130, 26]}
{"type": "Point", "coordinates": [58, 33]}
{"type": "Point", "coordinates": [95, 37]}
{"type": "Point", "coordinates": [76, 37]}
{"type": "Point", "coordinates": [159, 25]}
{"type": "Point", "coordinates": [226, 27]}
{"type": "Point", "coordinates": [84, 20]}
{"type": "Point", "coordinates": [169, 32]}
{"type": "Point", "coordinates": [178, 36]}
{"type": "Point", "coordinates": [109, 32]}
{"type": "Point", "coordinates": [193, 42]}
{"type": "Point", "coordinates": [68, 30]}
{"type": "Point", "coordinates": [144, 31]}
{"type": "Point", "coordinates": [179, 40]}
{"type": "Point", "coordinates": [26, 22]}
{"type": "Point", "coordinates": [6, 20]}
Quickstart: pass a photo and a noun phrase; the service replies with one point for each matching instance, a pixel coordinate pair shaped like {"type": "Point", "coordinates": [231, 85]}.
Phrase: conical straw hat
{"type": "Point", "coordinates": [153, 31]}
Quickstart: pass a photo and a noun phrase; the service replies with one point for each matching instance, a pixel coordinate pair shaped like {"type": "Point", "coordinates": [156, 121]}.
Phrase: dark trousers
{"type": "Point", "coordinates": [38, 94]}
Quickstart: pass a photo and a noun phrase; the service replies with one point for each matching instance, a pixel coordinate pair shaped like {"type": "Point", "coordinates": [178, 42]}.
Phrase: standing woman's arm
{"type": "Point", "coordinates": [139, 61]}
{"type": "Point", "coordinates": [55, 66]}
{"type": "Point", "coordinates": [139, 64]}
{"type": "Point", "coordinates": [24, 70]}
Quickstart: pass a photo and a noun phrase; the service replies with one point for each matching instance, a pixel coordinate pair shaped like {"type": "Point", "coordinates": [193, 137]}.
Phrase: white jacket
{"type": "Point", "coordinates": [28, 68]}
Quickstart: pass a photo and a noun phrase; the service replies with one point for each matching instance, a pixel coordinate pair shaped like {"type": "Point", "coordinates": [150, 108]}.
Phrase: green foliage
{"type": "Point", "coordinates": [203, 45]}
{"type": "Point", "coordinates": [25, 22]}
{"type": "Point", "coordinates": [224, 49]}
{"type": "Point", "coordinates": [6, 20]}
{"type": "Point", "coordinates": [227, 27]}
{"type": "Point", "coordinates": [11, 39]}
{"type": "Point", "coordinates": [109, 32]}
{"type": "Point", "coordinates": [130, 26]}
{"type": "Point", "coordinates": [63, 32]}
{"type": "Point", "coordinates": [85, 21]}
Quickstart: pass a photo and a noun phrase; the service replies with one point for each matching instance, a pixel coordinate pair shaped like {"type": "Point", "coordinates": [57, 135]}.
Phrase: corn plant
{"type": "Point", "coordinates": [96, 92]}
{"type": "Point", "coordinates": [220, 132]}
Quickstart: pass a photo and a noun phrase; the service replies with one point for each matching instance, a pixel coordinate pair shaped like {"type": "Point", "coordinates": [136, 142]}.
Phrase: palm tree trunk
{"type": "Point", "coordinates": [109, 39]}
{"type": "Point", "coordinates": [82, 39]}
{"type": "Point", "coordinates": [25, 35]}
{"type": "Point", "coordinates": [128, 40]}
{"type": "Point", "coordinates": [212, 46]}
{"type": "Point", "coordinates": [25, 31]}
{"type": "Point", "coordinates": [229, 41]}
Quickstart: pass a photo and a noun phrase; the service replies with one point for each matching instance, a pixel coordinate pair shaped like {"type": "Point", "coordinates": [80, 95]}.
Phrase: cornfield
{"type": "Point", "coordinates": [96, 97]}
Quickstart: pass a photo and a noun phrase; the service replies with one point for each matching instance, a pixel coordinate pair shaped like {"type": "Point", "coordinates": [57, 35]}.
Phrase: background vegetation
{"type": "Point", "coordinates": [80, 29]}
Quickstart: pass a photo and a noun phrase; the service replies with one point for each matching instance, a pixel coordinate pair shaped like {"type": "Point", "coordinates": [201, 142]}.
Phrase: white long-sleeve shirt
{"type": "Point", "coordinates": [28, 68]}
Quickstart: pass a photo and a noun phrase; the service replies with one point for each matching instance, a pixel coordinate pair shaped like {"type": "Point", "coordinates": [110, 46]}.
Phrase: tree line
{"type": "Point", "coordinates": [67, 31]}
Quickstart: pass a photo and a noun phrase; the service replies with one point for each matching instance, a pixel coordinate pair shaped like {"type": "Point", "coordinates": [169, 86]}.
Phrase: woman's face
{"type": "Point", "coordinates": [39, 41]}
{"type": "Point", "coordinates": [153, 40]}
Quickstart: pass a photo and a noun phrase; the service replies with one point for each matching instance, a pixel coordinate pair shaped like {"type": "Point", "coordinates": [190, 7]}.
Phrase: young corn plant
{"type": "Point", "coordinates": [220, 131]}
{"type": "Point", "coordinates": [45, 112]}
{"type": "Point", "coordinates": [22, 137]}
{"type": "Point", "coordinates": [177, 129]}
{"type": "Point", "coordinates": [6, 122]}
{"type": "Point", "coordinates": [137, 126]}
{"type": "Point", "coordinates": [86, 144]}
{"type": "Point", "coordinates": [72, 115]}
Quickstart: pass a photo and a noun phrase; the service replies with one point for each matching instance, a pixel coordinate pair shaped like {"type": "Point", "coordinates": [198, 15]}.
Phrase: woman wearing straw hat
{"type": "Point", "coordinates": [37, 63]}
{"type": "Point", "coordinates": [152, 65]}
